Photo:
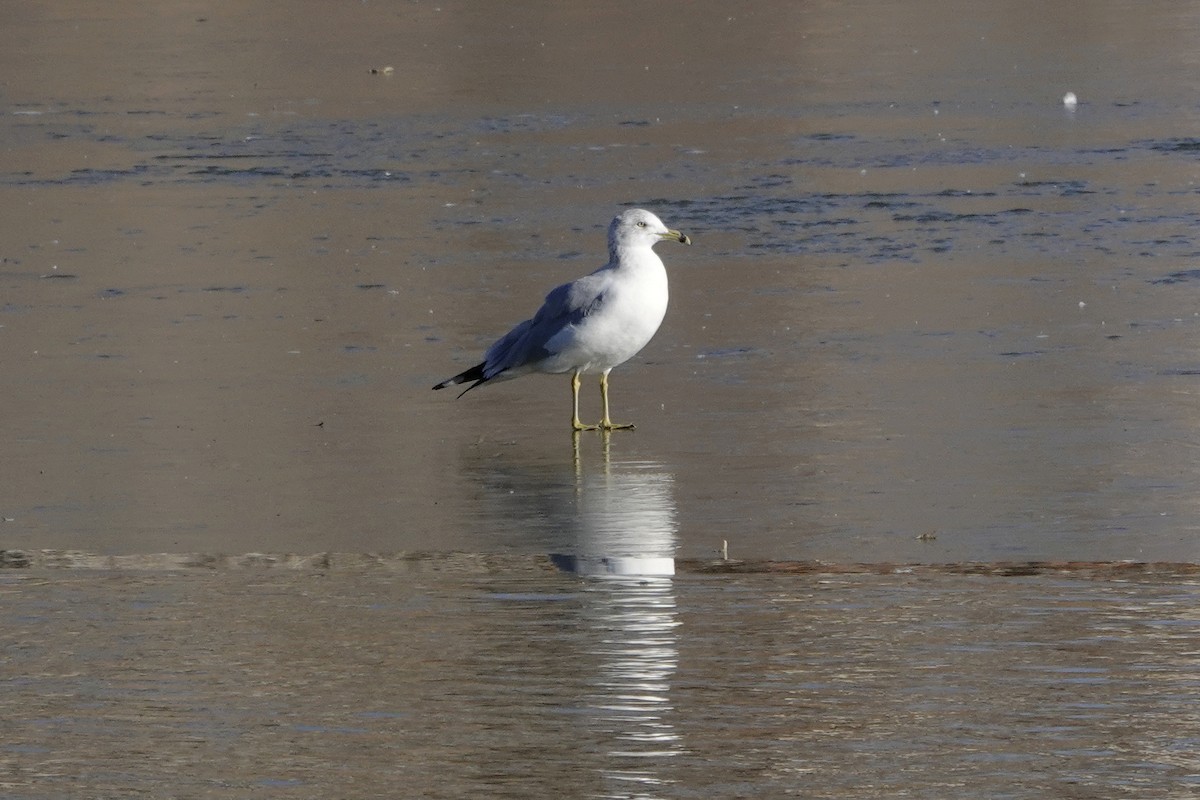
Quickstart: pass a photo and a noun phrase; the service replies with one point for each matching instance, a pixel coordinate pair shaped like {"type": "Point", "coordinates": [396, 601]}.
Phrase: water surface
{"type": "Point", "coordinates": [459, 677]}
{"type": "Point", "coordinates": [931, 316]}
{"type": "Point", "coordinates": [925, 299]}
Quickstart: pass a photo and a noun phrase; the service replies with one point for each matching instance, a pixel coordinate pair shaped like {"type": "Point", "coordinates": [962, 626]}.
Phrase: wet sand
{"type": "Point", "coordinates": [519, 565]}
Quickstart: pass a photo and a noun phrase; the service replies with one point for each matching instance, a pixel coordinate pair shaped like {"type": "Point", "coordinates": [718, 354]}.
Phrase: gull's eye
{"type": "Point", "coordinates": [641, 223]}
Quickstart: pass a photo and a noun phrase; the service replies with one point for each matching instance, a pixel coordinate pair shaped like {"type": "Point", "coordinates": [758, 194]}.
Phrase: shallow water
{"type": "Point", "coordinates": [931, 315]}
{"type": "Point", "coordinates": [469, 677]}
{"type": "Point", "coordinates": [925, 300]}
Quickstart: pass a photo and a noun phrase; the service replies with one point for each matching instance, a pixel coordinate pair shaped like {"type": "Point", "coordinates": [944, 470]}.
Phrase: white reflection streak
{"type": "Point", "coordinates": [626, 545]}
{"type": "Point", "coordinates": [631, 624]}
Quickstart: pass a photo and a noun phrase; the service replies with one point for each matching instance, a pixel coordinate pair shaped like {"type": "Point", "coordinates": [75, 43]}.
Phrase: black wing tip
{"type": "Point", "coordinates": [475, 374]}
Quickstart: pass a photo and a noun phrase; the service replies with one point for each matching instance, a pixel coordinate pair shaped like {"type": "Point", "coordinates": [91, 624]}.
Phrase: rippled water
{"type": "Point", "coordinates": [453, 678]}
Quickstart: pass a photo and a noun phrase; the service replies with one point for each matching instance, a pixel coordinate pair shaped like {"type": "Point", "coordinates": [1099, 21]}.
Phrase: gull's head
{"type": "Point", "coordinates": [639, 228]}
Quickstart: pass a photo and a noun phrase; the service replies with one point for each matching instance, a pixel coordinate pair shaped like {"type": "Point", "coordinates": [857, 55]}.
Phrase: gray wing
{"type": "Point", "coordinates": [565, 306]}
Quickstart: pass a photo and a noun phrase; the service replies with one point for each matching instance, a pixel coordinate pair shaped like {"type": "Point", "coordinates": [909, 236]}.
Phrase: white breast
{"type": "Point", "coordinates": [634, 305]}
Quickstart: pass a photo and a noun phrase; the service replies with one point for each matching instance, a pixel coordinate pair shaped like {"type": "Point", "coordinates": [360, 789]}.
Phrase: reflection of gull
{"type": "Point", "coordinates": [593, 324]}
{"type": "Point", "coordinates": [625, 523]}
{"type": "Point", "coordinates": [632, 639]}
{"type": "Point", "coordinates": [625, 536]}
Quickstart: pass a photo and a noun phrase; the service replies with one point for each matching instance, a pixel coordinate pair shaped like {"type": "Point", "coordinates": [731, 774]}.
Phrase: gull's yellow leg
{"type": "Point", "coordinates": [607, 423]}
{"type": "Point", "coordinates": [576, 425]}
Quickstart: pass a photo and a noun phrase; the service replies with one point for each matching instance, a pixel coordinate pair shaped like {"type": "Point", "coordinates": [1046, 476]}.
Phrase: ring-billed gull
{"type": "Point", "coordinates": [592, 324]}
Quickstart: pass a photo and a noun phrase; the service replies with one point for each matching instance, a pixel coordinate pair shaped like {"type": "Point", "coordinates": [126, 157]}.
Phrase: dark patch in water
{"type": "Point", "coordinates": [231, 156]}
{"type": "Point", "coordinates": [772, 181]}
{"type": "Point", "coordinates": [94, 176]}
{"type": "Point", "coordinates": [1182, 145]}
{"type": "Point", "coordinates": [931, 217]}
{"type": "Point", "coordinates": [1182, 276]}
{"type": "Point", "coordinates": [890, 201]}
{"type": "Point", "coordinates": [962, 193]}
{"type": "Point", "coordinates": [728, 352]}
{"type": "Point", "coordinates": [1065, 187]}
{"type": "Point", "coordinates": [526, 122]}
